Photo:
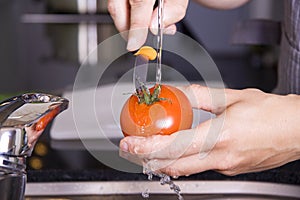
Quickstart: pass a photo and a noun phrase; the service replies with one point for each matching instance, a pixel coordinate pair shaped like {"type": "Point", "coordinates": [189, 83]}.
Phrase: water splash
{"type": "Point", "coordinates": [164, 180]}
{"type": "Point", "coordinates": [146, 194]}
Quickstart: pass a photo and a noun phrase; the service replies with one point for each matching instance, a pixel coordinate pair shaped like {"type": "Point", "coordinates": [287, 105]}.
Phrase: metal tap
{"type": "Point", "coordinates": [22, 120]}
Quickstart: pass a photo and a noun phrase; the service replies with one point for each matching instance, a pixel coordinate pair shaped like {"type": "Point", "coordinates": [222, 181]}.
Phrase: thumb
{"type": "Point", "coordinates": [140, 17]}
{"type": "Point", "coordinates": [173, 12]}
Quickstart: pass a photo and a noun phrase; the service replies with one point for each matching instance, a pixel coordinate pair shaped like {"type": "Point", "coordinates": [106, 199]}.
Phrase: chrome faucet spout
{"type": "Point", "coordinates": [23, 118]}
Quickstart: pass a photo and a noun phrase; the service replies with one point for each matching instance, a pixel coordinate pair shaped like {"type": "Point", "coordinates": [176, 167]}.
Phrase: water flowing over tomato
{"type": "Point", "coordinates": [169, 113]}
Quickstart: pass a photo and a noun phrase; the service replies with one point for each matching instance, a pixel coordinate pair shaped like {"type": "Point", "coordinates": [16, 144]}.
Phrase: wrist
{"type": "Point", "coordinates": [292, 109]}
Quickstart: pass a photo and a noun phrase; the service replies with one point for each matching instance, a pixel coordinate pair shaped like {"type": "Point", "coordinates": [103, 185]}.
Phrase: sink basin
{"type": "Point", "coordinates": [133, 189]}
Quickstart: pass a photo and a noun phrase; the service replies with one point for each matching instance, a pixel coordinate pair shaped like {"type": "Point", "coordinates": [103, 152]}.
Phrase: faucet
{"type": "Point", "coordinates": [23, 118]}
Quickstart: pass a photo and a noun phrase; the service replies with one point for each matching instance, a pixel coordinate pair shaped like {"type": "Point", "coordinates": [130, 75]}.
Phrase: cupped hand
{"type": "Point", "coordinates": [136, 16]}
{"type": "Point", "coordinates": [252, 131]}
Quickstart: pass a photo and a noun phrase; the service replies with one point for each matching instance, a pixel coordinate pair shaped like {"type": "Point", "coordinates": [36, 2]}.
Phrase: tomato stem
{"type": "Point", "coordinates": [148, 98]}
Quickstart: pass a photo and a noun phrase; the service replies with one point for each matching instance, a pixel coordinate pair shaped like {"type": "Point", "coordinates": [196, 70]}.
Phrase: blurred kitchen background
{"type": "Point", "coordinates": [43, 42]}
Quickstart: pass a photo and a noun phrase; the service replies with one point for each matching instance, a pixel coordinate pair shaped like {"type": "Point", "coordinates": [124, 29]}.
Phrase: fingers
{"type": "Point", "coordinates": [138, 15]}
{"type": "Point", "coordinates": [140, 18]}
{"type": "Point", "coordinates": [183, 166]}
{"type": "Point", "coordinates": [214, 100]}
{"type": "Point", "coordinates": [173, 12]}
{"type": "Point", "coordinates": [119, 11]}
{"type": "Point", "coordinates": [132, 15]}
{"type": "Point", "coordinates": [183, 143]}
{"type": "Point", "coordinates": [158, 146]}
{"type": "Point", "coordinates": [174, 167]}
{"type": "Point", "coordinates": [178, 154]}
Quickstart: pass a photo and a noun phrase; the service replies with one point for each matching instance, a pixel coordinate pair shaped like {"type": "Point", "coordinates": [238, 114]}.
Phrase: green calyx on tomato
{"type": "Point", "coordinates": [145, 96]}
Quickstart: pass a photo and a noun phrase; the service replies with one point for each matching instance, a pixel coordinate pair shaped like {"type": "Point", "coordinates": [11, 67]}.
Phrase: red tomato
{"type": "Point", "coordinates": [171, 113]}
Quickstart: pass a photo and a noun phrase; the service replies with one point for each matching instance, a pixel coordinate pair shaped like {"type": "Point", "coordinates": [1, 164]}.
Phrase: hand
{"type": "Point", "coordinates": [252, 131]}
{"type": "Point", "coordinates": [138, 15]}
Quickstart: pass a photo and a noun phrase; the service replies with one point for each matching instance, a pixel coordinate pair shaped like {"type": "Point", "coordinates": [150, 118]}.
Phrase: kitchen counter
{"type": "Point", "coordinates": [69, 164]}
{"type": "Point", "coordinates": [288, 174]}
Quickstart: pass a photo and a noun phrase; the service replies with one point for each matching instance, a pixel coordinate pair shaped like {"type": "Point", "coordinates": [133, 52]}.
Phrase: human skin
{"type": "Point", "coordinates": [136, 16]}
{"type": "Point", "coordinates": [257, 131]}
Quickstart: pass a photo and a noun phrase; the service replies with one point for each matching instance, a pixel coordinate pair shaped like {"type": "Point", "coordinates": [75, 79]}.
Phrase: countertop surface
{"type": "Point", "coordinates": [288, 174]}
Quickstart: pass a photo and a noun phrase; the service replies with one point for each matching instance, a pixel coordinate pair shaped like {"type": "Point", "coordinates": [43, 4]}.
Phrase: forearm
{"type": "Point", "coordinates": [292, 113]}
{"type": "Point", "coordinates": [222, 4]}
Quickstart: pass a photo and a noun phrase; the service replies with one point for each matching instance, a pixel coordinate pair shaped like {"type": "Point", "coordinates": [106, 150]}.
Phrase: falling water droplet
{"type": "Point", "coordinates": [175, 177]}
{"type": "Point", "coordinates": [146, 194]}
{"type": "Point", "coordinates": [164, 179]}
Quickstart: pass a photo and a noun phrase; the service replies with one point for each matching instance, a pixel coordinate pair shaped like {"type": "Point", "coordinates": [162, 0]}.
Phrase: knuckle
{"type": "Point", "coordinates": [293, 95]}
{"type": "Point", "coordinates": [232, 165]}
{"type": "Point", "coordinates": [225, 138]}
{"type": "Point", "coordinates": [228, 164]}
{"type": "Point", "coordinates": [138, 24]}
{"type": "Point", "coordinates": [218, 108]}
{"type": "Point", "coordinates": [195, 87]}
{"type": "Point", "coordinates": [137, 148]}
{"type": "Point", "coordinates": [254, 90]}
{"type": "Point", "coordinates": [229, 173]}
{"type": "Point", "coordinates": [136, 2]}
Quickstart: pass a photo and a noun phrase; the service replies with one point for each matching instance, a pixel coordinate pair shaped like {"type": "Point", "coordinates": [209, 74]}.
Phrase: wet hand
{"type": "Point", "coordinates": [252, 131]}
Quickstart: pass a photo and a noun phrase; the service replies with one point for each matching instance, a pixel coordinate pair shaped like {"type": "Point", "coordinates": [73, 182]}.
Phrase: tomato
{"type": "Point", "coordinates": [169, 113]}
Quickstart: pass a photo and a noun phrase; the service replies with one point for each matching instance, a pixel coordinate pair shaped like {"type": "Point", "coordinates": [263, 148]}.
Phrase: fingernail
{"type": "Point", "coordinates": [132, 44]}
{"type": "Point", "coordinates": [136, 38]}
{"type": "Point", "coordinates": [124, 146]}
{"type": "Point", "coordinates": [154, 27]}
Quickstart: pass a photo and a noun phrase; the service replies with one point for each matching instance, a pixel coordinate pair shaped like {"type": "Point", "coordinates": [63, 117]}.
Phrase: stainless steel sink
{"type": "Point", "coordinates": [124, 190]}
